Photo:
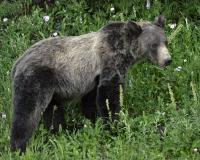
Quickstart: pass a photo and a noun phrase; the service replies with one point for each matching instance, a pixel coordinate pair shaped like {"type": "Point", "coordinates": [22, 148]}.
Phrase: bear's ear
{"type": "Point", "coordinates": [160, 21]}
{"type": "Point", "coordinates": [132, 29]}
{"type": "Point", "coordinates": [113, 26]}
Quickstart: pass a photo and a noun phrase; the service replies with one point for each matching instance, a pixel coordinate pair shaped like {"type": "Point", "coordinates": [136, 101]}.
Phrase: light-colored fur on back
{"type": "Point", "coordinates": [79, 63]}
{"type": "Point", "coordinates": [75, 61]}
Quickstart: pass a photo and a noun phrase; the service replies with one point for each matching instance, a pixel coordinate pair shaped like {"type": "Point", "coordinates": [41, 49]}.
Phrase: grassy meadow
{"type": "Point", "coordinates": [160, 117]}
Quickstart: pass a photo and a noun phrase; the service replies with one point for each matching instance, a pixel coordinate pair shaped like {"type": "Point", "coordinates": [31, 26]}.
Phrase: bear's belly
{"type": "Point", "coordinates": [81, 87]}
{"type": "Point", "coordinates": [77, 83]}
{"type": "Point", "coordinates": [75, 91]}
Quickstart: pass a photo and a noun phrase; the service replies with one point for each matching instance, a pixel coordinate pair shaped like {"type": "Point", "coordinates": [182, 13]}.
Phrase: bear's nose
{"type": "Point", "coordinates": [168, 62]}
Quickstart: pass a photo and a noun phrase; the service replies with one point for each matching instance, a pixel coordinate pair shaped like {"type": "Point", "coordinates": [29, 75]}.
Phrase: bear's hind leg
{"type": "Point", "coordinates": [31, 97]}
{"type": "Point", "coordinates": [54, 117]}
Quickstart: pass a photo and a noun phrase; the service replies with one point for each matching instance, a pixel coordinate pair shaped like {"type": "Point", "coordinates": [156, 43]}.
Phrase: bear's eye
{"type": "Point", "coordinates": [154, 46]}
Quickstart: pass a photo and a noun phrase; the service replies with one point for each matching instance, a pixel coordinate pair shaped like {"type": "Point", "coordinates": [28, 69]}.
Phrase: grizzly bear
{"type": "Point", "coordinates": [88, 68]}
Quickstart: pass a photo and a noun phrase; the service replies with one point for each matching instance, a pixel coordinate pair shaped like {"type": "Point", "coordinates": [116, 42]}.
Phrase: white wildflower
{"type": "Point", "coordinates": [3, 115]}
{"type": "Point", "coordinates": [112, 9]}
{"type": "Point", "coordinates": [178, 69]}
{"type": "Point", "coordinates": [195, 149]}
{"type": "Point", "coordinates": [172, 26]}
{"type": "Point", "coordinates": [185, 60]}
{"type": "Point", "coordinates": [46, 18]}
{"type": "Point", "coordinates": [148, 4]}
{"type": "Point", "coordinates": [5, 19]}
{"type": "Point", "coordinates": [161, 113]}
{"type": "Point", "coordinates": [55, 34]}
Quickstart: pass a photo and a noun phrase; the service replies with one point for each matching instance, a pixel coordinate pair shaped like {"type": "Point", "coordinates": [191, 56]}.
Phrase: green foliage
{"type": "Point", "coordinates": [161, 114]}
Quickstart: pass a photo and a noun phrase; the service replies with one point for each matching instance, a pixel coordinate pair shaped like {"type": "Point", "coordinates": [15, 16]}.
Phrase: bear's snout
{"type": "Point", "coordinates": [163, 56]}
{"type": "Point", "coordinates": [167, 62]}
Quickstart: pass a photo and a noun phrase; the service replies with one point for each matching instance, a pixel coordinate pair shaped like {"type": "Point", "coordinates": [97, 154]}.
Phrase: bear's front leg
{"type": "Point", "coordinates": [114, 99]}
{"type": "Point", "coordinates": [108, 89]}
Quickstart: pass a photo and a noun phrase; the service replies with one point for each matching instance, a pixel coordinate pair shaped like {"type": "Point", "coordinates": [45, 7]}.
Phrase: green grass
{"type": "Point", "coordinates": [160, 118]}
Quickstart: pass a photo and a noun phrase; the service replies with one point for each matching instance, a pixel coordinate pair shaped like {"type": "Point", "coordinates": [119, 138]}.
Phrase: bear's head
{"type": "Point", "coordinates": [140, 40]}
{"type": "Point", "coordinates": [153, 42]}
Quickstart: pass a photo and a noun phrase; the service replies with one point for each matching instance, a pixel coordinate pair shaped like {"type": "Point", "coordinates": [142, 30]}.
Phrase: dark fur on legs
{"type": "Point", "coordinates": [31, 97]}
{"type": "Point", "coordinates": [54, 115]}
{"type": "Point", "coordinates": [88, 103]}
{"type": "Point", "coordinates": [53, 118]}
{"type": "Point", "coordinates": [108, 90]}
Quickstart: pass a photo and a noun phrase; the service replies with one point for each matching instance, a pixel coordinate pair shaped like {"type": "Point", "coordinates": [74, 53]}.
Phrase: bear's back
{"type": "Point", "coordinates": [74, 60]}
